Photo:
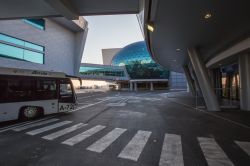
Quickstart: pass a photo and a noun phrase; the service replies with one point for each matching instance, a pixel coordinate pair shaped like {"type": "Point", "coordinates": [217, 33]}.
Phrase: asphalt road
{"type": "Point", "coordinates": [126, 129]}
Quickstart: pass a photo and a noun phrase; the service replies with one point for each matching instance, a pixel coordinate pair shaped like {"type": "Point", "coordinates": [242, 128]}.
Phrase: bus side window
{"type": "Point", "coordinates": [21, 89]}
{"type": "Point", "coordinates": [3, 88]}
{"type": "Point", "coordinates": [46, 89]}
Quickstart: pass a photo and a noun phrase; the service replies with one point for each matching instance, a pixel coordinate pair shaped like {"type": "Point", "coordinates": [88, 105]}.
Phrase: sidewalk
{"type": "Point", "coordinates": [235, 115]}
{"type": "Point", "coordinates": [187, 99]}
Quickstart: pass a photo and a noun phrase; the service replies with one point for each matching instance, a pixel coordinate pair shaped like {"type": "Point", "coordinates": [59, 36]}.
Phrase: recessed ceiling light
{"type": "Point", "coordinates": [207, 15]}
{"type": "Point", "coordinates": [150, 27]}
{"type": "Point", "coordinates": [178, 49]}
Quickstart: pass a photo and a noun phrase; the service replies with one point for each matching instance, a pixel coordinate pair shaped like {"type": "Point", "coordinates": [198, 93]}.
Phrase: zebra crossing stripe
{"type": "Point", "coordinates": [100, 145]}
{"type": "Point", "coordinates": [80, 137]}
{"type": "Point", "coordinates": [213, 153]}
{"type": "Point", "coordinates": [35, 124]}
{"type": "Point", "coordinates": [134, 148]}
{"type": "Point", "coordinates": [171, 153]}
{"type": "Point", "coordinates": [62, 132]}
{"type": "Point", "coordinates": [10, 127]}
{"type": "Point", "coordinates": [47, 128]}
{"type": "Point", "coordinates": [244, 145]}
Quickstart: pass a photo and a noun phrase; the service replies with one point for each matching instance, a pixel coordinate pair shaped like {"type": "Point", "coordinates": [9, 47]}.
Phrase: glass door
{"type": "Point", "coordinates": [230, 86]}
{"type": "Point", "coordinates": [66, 93]}
{"type": "Point", "coordinates": [67, 97]}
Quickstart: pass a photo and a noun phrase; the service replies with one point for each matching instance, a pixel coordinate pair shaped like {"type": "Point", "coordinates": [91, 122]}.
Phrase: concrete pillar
{"type": "Point", "coordinates": [197, 86]}
{"type": "Point", "coordinates": [80, 81]}
{"type": "Point", "coordinates": [119, 86]}
{"type": "Point", "coordinates": [190, 81]}
{"type": "Point", "coordinates": [131, 86]}
{"type": "Point", "coordinates": [244, 71]}
{"type": "Point", "coordinates": [188, 89]}
{"type": "Point", "coordinates": [151, 86]}
{"type": "Point", "coordinates": [135, 86]}
{"type": "Point", "coordinates": [203, 80]}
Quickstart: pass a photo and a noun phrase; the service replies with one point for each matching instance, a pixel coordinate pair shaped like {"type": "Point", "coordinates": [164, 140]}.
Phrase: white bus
{"type": "Point", "coordinates": [27, 94]}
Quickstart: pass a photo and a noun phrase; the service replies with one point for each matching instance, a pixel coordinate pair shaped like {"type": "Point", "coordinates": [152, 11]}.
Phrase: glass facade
{"type": "Point", "coordinates": [230, 82]}
{"type": "Point", "coordinates": [102, 71]}
{"type": "Point", "coordinates": [37, 23]}
{"type": "Point", "coordinates": [177, 80]}
{"type": "Point", "coordinates": [11, 47]}
{"type": "Point", "coordinates": [139, 63]}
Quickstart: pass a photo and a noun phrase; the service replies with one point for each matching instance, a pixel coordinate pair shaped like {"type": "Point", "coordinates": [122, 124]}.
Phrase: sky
{"type": "Point", "coordinates": [110, 31]}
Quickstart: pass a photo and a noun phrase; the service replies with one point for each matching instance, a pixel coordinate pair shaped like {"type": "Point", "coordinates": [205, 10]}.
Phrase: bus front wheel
{"type": "Point", "coordinates": [29, 112]}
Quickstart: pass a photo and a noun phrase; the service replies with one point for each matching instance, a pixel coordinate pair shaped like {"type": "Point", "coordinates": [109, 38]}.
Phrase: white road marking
{"type": "Point", "coordinates": [100, 145]}
{"type": "Point", "coordinates": [144, 98]}
{"type": "Point", "coordinates": [89, 105]}
{"type": "Point", "coordinates": [83, 103]}
{"type": "Point", "coordinates": [62, 132]}
{"type": "Point", "coordinates": [213, 153]}
{"type": "Point", "coordinates": [47, 128]}
{"type": "Point", "coordinates": [80, 137]}
{"type": "Point", "coordinates": [130, 114]}
{"type": "Point", "coordinates": [116, 104]}
{"type": "Point", "coordinates": [120, 103]}
{"type": "Point", "coordinates": [3, 129]}
{"type": "Point", "coordinates": [124, 100]}
{"type": "Point", "coordinates": [134, 148]}
{"type": "Point", "coordinates": [244, 145]}
{"type": "Point", "coordinates": [35, 124]}
{"type": "Point", "coordinates": [134, 101]}
{"type": "Point", "coordinates": [84, 97]}
{"type": "Point", "coordinates": [171, 153]}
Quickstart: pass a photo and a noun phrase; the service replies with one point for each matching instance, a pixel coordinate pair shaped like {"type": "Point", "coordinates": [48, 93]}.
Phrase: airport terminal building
{"type": "Point", "coordinates": [205, 40]}
{"type": "Point", "coordinates": [50, 44]}
{"type": "Point", "coordinates": [132, 68]}
{"type": "Point", "coordinates": [57, 44]}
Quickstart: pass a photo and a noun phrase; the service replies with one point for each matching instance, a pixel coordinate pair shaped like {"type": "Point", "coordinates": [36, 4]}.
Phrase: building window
{"type": "Point", "coordinates": [37, 23]}
{"type": "Point", "coordinates": [102, 71]}
{"type": "Point", "coordinates": [21, 50]}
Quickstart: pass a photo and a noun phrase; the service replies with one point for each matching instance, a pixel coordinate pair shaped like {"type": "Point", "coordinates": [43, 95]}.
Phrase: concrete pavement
{"type": "Point", "coordinates": [126, 129]}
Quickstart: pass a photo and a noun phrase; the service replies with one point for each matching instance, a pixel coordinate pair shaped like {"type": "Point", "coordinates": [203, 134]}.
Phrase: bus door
{"type": "Point", "coordinates": [67, 97]}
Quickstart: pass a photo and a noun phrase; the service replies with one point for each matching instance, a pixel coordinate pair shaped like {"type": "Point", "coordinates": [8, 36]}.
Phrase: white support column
{"type": "Point", "coordinates": [196, 83]}
{"type": "Point", "coordinates": [119, 86]}
{"type": "Point", "coordinates": [151, 86]}
{"type": "Point", "coordinates": [190, 81]}
{"type": "Point", "coordinates": [244, 71]}
{"type": "Point", "coordinates": [188, 89]}
{"type": "Point", "coordinates": [131, 86]}
{"type": "Point", "coordinates": [135, 86]}
{"type": "Point", "coordinates": [203, 80]}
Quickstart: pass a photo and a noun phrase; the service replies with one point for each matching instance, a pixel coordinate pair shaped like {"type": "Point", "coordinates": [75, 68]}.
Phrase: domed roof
{"type": "Point", "coordinates": [132, 52]}
{"type": "Point", "coordinates": [138, 62]}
